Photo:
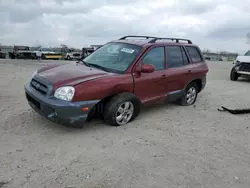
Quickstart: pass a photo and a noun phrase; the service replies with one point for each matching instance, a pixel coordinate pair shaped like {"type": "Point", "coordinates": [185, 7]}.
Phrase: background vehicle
{"type": "Point", "coordinates": [117, 79]}
{"type": "Point", "coordinates": [22, 52]}
{"type": "Point", "coordinates": [241, 67]}
{"type": "Point", "coordinates": [207, 58]}
{"type": "Point", "coordinates": [47, 53]}
{"type": "Point", "coordinates": [87, 51]}
{"type": "Point", "coordinates": [2, 54]}
{"type": "Point", "coordinates": [72, 54]}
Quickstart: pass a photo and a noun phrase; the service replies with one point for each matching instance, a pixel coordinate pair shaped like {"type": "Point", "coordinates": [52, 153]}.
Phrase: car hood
{"type": "Point", "coordinates": [245, 59]}
{"type": "Point", "coordinates": [71, 74]}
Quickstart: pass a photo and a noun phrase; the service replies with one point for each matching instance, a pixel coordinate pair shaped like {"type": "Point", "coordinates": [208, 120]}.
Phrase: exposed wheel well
{"type": "Point", "coordinates": [199, 84]}
{"type": "Point", "coordinates": [99, 107]}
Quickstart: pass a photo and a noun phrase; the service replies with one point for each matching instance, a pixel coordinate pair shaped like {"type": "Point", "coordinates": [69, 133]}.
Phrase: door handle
{"type": "Point", "coordinates": [163, 76]}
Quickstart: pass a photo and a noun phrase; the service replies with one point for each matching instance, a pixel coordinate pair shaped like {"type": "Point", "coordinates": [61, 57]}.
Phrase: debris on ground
{"type": "Point", "coordinates": [235, 111]}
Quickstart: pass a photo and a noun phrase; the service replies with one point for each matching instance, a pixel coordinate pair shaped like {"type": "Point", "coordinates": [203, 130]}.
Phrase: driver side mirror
{"type": "Point", "coordinates": [147, 68]}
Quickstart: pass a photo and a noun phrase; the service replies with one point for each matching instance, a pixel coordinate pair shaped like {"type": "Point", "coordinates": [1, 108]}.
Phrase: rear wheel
{"type": "Point", "coordinates": [234, 75]}
{"type": "Point", "coordinates": [190, 95]}
{"type": "Point", "coordinates": [121, 109]}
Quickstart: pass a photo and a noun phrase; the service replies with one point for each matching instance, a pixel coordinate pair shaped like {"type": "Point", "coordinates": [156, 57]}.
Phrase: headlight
{"type": "Point", "coordinates": [65, 93]}
{"type": "Point", "coordinates": [237, 62]}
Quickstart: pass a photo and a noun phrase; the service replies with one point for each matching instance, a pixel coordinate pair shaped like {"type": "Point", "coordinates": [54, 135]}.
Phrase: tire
{"type": "Point", "coordinates": [233, 75]}
{"type": "Point", "coordinates": [111, 109]}
{"type": "Point", "coordinates": [68, 57]}
{"type": "Point", "coordinates": [191, 89]}
{"type": "Point", "coordinates": [43, 57]}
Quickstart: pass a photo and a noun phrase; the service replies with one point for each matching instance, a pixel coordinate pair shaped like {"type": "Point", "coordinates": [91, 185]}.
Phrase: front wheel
{"type": "Point", "coordinates": [121, 109]}
{"type": "Point", "coordinates": [43, 57]}
{"type": "Point", "coordinates": [190, 95]}
{"type": "Point", "coordinates": [234, 75]}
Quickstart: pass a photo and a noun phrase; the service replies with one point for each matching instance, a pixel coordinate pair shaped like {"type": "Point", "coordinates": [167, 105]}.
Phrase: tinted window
{"type": "Point", "coordinates": [184, 56]}
{"type": "Point", "coordinates": [194, 54]}
{"type": "Point", "coordinates": [174, 55]}
{"type": "Point", "coordinates": [156, 57]}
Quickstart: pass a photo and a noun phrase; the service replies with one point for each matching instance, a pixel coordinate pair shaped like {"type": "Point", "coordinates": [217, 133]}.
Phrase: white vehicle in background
{"type": "Point", "coordinates": [241, 67]}
{"type": "Point", "coordinates": [41, 52]}
{"type": "Point", "coordinates": [73, 55]}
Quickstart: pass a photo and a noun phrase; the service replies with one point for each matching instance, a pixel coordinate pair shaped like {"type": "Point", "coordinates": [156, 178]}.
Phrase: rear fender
{"type": "Point", "coordinates": [201, 82]}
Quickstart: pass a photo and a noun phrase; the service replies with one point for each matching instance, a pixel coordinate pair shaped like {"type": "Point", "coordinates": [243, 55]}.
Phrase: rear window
{"type": "Point", "coordinates": [194, 54]}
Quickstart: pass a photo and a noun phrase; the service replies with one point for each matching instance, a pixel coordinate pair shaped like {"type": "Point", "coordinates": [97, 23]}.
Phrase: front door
{"type": "Point", "coordinates": [150, 87]}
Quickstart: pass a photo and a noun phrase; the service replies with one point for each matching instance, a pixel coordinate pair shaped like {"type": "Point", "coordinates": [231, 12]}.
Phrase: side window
{"type": "Point", "coordinates": [184, 56]}
{"type": "Point", "coordinates": [156, 57]}
{"type": "Point", "coordinates": [194, 54]}
{"type": "Point", "coordinates": [174, 55]}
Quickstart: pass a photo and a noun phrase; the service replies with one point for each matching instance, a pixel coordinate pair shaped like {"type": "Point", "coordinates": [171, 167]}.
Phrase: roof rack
{"type": "Point", "coordinates": [137, 36]}
{"type": "Point", "coordinates": [154, 39]}
{"type": "Point", "coordinates": [173, 39]}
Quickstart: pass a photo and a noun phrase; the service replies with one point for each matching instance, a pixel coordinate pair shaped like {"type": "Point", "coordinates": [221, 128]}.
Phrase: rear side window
{"type": "Point", "coordinates": [194, 54]}
{"type": "Point", "coordinates": [176, 56]}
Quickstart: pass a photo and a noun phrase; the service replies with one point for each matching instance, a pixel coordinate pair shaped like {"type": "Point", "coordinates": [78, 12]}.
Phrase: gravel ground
{"type": "Point", "coordinates": [167, 146]}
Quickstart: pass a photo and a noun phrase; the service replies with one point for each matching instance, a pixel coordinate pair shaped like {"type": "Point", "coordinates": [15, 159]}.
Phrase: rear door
{"type": "Point", "coordinates": [199, 67]}
{"type": "Point", "coordinates": [179, 70]}
{"type": "Point", "coordinates": [150, 87]}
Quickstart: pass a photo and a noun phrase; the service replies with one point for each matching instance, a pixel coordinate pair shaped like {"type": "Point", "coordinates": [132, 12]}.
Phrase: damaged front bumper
{"type": "Point", "coordinates": [242, 68]}
{"type": "Point", "coordinates": [59, 111]}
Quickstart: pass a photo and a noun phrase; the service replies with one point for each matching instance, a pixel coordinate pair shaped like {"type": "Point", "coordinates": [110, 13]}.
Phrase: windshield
{"type": "Point", "coordinates": [114, 57]}
{"type": "Point", "coordinates": [22, 48]}
{"type": "Point", "coordinates": [247, 53]}
{"type": "Point", "coordinates": [47, 49]}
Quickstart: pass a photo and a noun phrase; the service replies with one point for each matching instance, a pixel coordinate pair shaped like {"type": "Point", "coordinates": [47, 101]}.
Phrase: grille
{"type": "Point", "coordinates": [245, 67]}
{"type": "Point", "coordinates": [76, 54]}
{"type": "Point", "coordinates": [40, 87]}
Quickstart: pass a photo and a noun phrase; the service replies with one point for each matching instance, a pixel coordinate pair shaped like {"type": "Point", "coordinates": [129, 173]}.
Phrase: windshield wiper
{"type": "Point", "coordinates": [98, 66]}
{"type": "Point", "coordinates": [84, 62]}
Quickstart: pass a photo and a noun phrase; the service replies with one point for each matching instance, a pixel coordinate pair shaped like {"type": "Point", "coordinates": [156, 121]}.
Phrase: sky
{"type": "Point", "coordinates": [218, 25]}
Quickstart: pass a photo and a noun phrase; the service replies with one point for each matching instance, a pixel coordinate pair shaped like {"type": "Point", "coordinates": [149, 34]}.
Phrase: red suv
{"type": "Point", "coordinates": [117, 79]}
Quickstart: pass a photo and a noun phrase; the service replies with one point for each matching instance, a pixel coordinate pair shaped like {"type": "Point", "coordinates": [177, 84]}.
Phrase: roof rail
{"type": "Point", "coordinates": [154, 39]}
{"type": "Point", "coordinates": [136, 36]}
{"type": "Point", "coordinates": [176, 40]}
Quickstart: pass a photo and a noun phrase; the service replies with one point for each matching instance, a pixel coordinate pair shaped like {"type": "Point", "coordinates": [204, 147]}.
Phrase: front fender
{"type": "Point", "coordinates": [102, 87]}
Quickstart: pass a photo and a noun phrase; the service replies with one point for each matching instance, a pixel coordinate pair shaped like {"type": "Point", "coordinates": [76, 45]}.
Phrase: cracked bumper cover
{"type": "Point", "coordinates": [56, 110]}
